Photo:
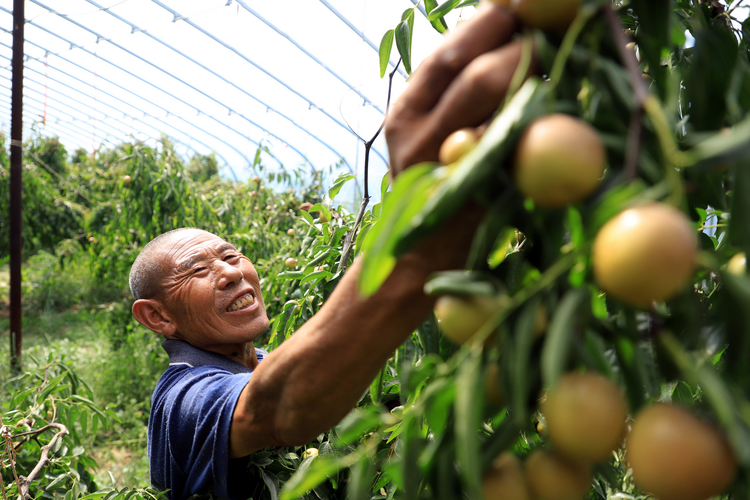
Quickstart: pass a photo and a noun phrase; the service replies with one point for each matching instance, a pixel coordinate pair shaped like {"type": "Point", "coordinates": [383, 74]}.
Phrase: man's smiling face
{"type": "Point", "coordinates": [213, 292]}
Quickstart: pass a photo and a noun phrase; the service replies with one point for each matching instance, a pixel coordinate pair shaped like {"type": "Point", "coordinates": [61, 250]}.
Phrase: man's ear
{"type": "Point", "coordinates": [152, 314]}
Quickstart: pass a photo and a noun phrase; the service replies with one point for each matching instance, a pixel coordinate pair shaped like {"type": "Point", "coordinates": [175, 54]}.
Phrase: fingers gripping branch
{"type": "Point", "coordinates": [459, 85]}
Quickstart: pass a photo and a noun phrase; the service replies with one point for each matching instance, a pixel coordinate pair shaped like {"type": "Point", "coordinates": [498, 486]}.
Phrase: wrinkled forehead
{"type": "Point", "coordinates": [189, 244]}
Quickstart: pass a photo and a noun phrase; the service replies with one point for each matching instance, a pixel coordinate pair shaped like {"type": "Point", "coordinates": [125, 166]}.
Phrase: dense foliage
{"type": "Point", "coordinates": [665, 86]}
{"type": "Point", "coordinates": [675, 128]}
{"type": "Point", "coordinates": [77, 258]}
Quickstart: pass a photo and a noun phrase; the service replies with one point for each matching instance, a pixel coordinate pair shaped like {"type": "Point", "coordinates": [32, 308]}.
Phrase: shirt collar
{"type": "Point", "coordinates": [182, 353]}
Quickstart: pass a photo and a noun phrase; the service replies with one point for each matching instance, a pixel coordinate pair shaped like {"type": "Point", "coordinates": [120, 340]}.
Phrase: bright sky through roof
{"type": "Point", "coordinates": [215, 75]}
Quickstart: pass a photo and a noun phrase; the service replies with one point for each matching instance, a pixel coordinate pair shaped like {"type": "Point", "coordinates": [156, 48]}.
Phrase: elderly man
{"type": "Point", "coordinates": [221, 398]}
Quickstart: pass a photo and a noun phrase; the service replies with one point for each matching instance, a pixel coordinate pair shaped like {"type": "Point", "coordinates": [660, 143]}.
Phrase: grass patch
{"type": "Point", "coordinates": [116, 357]}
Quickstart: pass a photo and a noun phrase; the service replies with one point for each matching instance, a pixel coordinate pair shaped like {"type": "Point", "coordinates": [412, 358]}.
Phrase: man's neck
{"type": "Point", "coordinates": [243, 354]}
{"type": "Point", "coordinates": [246, 356]}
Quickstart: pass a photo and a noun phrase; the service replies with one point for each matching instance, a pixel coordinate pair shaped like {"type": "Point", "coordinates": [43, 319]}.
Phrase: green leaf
{"type": "Point", "coordinates": [596, 350]}
{"type": "Point", "coordinates": [291, 275]}
{"type": "Point", "coordinates": [739, 224]}
{"type": "Point", "coordinates": [438, 398]}
{"type": "Point", "coordinates": [356, 424]}
{"type": "Point", "coordinates": [413, 445]}
{"type": "Point", "coordinates": [561, 333]}
{"type": "Point", "coordinates": [403, 44]}
{"type": "Point", "coordinates": [338, 184]}
{"type": "Point", "coordinates": [272, 483]}
{"type": "Point", "coordinates": [439, 23]}
{"type": "Point", "coordinates": [429, 335]}
{"type": "Point", "coordinates": [653, 35]}
{"type": "Point", "coordinates": [376, 386]}
{"type": "Point", "coordinates": [710, 71]}
{"type": "Point", "coordinates": [319, 470]}
{"type": "Point", "coordinates": [723, 147]}
{"type": "Point", "coordinates": [57, 482]}
{"type": "Point", "coordinates": [520, 360]}
{"type": "Point", "coordinates": [491, 230]}
{"type": "Point", "coordinates": [410, 191]}
{"type": "Point", "coordinates": [468, 420]}
{"type": "Point", "coordinates": [360, 479]}
{"type": "Point", "coordinates": [436, 13]}
{"type": "Point", "coordinates": [462, 283]}
{"type": "Point", "coordinates": [682, 394]}
{"type": "Point", "coordinates": [386, 44]}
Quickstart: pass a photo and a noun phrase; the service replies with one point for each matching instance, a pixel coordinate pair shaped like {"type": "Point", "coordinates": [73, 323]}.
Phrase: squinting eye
{"type": "Point", "coordinates": [199, 270]}
{"type": "Point", "coordinates": [231, 257]}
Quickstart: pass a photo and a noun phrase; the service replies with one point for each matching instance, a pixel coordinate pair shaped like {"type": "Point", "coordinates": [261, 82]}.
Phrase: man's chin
{"type": "Point", "coordinates": [258, 328]}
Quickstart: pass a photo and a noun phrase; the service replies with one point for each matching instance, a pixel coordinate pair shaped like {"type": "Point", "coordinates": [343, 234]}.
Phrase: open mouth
{"type": "Point", "coordinates": [243, 302]}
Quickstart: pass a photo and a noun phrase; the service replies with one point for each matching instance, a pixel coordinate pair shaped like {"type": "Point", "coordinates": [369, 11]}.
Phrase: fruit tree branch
{"type": "Point", "coordinates": [24, 482]}
{"type": "Point", "coordinates": [351, 236]}
{"type": "Point", "coordinates": [639, 89]}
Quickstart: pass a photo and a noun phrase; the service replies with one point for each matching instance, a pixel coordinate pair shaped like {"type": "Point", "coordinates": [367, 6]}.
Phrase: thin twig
{"type": "Point", "coordinates": [24, 483]}
{"type": "Point", "coordinates": [351, 236]}
{"type": "Point", "coordinates": [639, 89]}
{"type": "Point", "coordinates": [10, 450]}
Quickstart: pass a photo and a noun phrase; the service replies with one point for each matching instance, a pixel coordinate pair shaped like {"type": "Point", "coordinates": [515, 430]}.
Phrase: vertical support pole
{"type": "Point", "coordinates": [16, 184]}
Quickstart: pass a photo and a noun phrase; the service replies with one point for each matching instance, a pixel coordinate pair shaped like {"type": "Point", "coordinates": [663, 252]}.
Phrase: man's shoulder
{"type": "Point", "coordinates": [199, 371]}
{"type": "Point", "coordinates": [182, 376]}
{"type": "Point", "coordinates": [183, 353]}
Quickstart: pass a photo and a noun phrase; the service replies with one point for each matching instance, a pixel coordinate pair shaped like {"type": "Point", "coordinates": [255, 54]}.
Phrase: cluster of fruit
{"type": "Point", "coordinates": [646, 253]}
{"type": "Point", "coordinates": [673, 454]}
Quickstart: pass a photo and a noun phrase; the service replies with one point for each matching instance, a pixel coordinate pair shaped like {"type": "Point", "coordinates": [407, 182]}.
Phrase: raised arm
{"type": "Point", "coordinates": [313, 380]}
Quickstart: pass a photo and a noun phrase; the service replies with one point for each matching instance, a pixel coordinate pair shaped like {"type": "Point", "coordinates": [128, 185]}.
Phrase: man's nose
{"type": "Point", "coordinates": [227, 274]}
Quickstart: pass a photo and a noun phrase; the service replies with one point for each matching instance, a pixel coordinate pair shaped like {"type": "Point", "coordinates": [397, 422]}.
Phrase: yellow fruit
{"type": "Point", "coordinates": [127, 180]}
{"type": "Point", "coordinates": [291, 232]}
{"type": "Point", "coordinates": [737, 264]}
{"type": "Point", "coordinates": [645, 253]}
{"type": "Point", "coordinates": [505, 480]}
{"type": "Point", "coordinates": [291, 262]}
{"type": "Point", "coordinates": [306, 206]}
{"type": "Point", "coordinates": [559, 161]}
{"type": "Point", "coordinates": [256, 179]}
{"type": "Point", "coordinates": [553, 477]}
{"type": "Point", "coordinates": [585, 415]}
{"type": "Point", "coordinates": [547, 15]}
{"type": "Point", "coordinates": [676, 456]}
{"type": "Point", "coordinates": [541, 428]}
{"type": "Point", "coordinates": [461, 316]}
{"type": "Point", "coordinates": [310, 452]}
{"type": "Point", "coordinates": [456, 145]}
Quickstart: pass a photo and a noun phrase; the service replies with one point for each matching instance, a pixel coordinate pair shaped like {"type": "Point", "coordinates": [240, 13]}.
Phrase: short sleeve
{"type": "Point", "coordinates": [189, 428]}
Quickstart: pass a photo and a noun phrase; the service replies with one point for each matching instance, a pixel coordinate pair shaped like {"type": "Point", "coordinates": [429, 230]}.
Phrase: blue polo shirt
{"type": "Point", "coordinates": [188, 430]}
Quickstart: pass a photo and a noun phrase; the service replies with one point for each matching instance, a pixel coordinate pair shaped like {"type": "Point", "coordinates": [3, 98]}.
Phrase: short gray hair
{"type": "Point", "coordinates": [146, 274]}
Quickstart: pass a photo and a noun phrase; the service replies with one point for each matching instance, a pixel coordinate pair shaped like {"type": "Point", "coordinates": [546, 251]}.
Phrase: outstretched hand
{"type": "Point", "coordinates": [460, 85]}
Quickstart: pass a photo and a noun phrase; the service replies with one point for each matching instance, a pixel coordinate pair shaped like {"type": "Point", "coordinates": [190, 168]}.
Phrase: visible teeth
{"type": "Point", "coordinates": [245, 301]}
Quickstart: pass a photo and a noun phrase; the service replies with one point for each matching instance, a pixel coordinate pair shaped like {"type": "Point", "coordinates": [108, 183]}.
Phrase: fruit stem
{"type": "Point", "coordinates": [586, 13]}
{"type": "Point", "coordinates": [679, 159]}
{"type": "Point", "coordinates": [524, 64]}
{"type": "Point", "coordinates": [548, 278]}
